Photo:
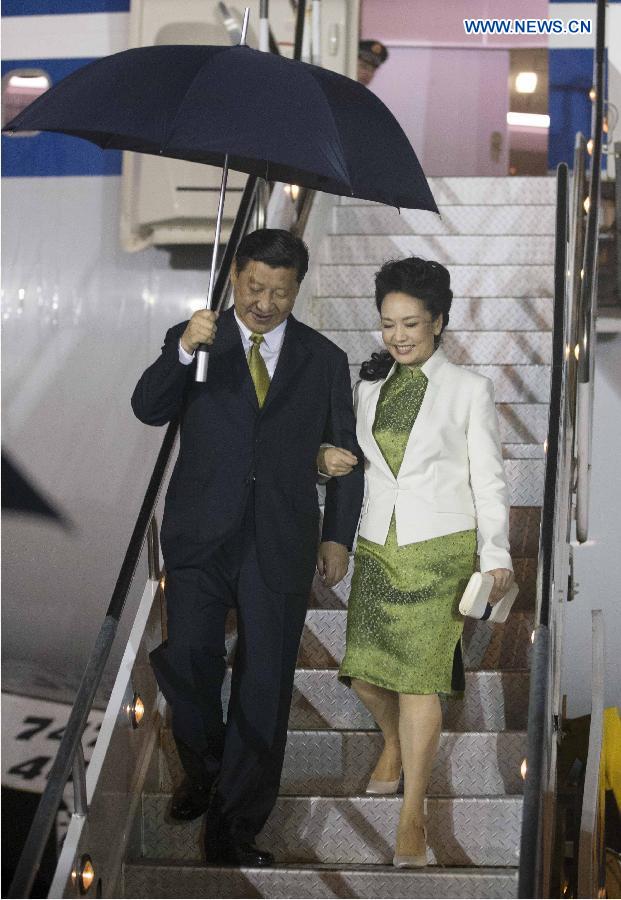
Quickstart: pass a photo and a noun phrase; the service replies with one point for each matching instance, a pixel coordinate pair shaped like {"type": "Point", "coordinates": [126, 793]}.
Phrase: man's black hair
{"type": "Point", "coordinates": [276, 248]}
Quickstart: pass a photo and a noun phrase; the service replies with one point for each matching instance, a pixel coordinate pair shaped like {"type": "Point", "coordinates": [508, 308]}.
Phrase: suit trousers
{"type": "Point", "coordinates": [190, 667]}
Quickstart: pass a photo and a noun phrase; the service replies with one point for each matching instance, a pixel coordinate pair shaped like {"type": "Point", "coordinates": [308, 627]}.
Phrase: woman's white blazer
{"type": "Point", "coordinates": [452, 477]}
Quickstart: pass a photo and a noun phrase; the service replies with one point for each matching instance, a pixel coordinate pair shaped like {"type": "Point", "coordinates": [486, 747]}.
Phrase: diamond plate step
{"type": "Point", "coordinates": [508, 646]}
{"type": "Point", "coordinates": [485, 645]}
{"type": "Point", "coordinates": [161, 879]}
{"type": "Point", "coordinates": [483, 191]}
{"type": "Point", "coordinates": [525, 423]}
{"type": "Point", "coordinates": [512, 384]}
{"type": "Point", "coordinates": [524, 525]}
{"type": "Point", "coordinates": [464, 831]}
{"type": "Point", "coordinates": [525, 569]}
{"type": "Point", "coordinates": [466, 281]}
{"type": "Point", "coordinates": [463, 348]}
{"type": "Point", "coordinates": [493, 701]}
{"type": "Point", "coordinates": [467, 313]}
{"type": "Point", "coordinates": [518, 384]}
{"type": "Point", "coordinates": [339, 763]}
{"type": "Point", "coordinates": [523, 451]}
{"type": "Point", "coordinates": [525, 480]}
{"type": "Point", "coordinates": [507, 220]}
{"type": "Point", "coordinates": [453, 249]}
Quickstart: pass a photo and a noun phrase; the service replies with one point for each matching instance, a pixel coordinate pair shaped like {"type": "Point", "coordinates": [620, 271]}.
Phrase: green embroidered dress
{"type": "Point", "coordinates": [403, 622]}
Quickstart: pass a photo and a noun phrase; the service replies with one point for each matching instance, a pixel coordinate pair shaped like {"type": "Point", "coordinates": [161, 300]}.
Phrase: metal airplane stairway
{"type": "Point", "coordinates": [497, 237]}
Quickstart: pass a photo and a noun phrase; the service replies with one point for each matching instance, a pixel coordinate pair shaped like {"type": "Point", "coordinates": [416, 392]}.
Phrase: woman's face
{"type": "Point", "coordinates": [408, 329]}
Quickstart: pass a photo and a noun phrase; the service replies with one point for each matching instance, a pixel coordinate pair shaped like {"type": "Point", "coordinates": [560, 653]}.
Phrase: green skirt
{"type": "Point", "coordinates": [403, 622]}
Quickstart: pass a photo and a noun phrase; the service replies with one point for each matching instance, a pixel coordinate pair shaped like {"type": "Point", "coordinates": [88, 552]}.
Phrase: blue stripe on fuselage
{"type": "Point", "coordinates": [61, 7]}
{"type": "Point", "coordinates": [54, 154]}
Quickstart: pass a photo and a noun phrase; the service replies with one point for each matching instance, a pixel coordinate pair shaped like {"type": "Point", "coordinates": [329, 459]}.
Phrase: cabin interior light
{"type": "Point", "coordinates": [577, 351]}
{"type": "Point", "coordinates": [39, 82]}
{"type": "Point", "coordinates": [590, 146]}
{"type": "Point", "coordinates": [587, 204]}
{"type": "Point", "coordinates": [135, 711]}
{"type": "Point", "coordinates": [528, 120]}
{"type": "Point", "coordinates": [19, 88]}
{"type": "Point", "coordinates": [83, 874]}
{"type": "Point", "coordinates": [523, 769]}
{"type": "Point", "coordinates": [293, 190]}
{"type": "Point", "coordinates": [592, 94]}
{"type": "Point", "coordinates": [526, 82]}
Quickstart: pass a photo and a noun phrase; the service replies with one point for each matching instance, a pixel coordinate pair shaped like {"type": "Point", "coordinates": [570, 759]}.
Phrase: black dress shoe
{"type": "Point", "coordinates": [189, 801]}
{"type": "Point", "coordinates": [229, 851]}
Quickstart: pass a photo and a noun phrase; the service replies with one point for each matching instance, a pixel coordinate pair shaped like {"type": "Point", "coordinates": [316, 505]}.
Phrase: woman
{"type": "Point", "coordinates": [434, 474]}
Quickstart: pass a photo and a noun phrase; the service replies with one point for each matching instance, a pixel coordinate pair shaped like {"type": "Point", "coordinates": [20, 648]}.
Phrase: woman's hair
{"type": "Point", "coordinates": [422, 279]}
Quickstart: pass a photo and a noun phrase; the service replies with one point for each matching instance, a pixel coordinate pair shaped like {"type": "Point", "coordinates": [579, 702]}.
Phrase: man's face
{"type": "Point", "coordinates": [263, 296]}
{"type": "Point", "coordinates": [366, 71]}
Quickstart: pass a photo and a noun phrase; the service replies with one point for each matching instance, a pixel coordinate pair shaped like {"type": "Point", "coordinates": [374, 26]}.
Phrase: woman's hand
{"type": "Point", "coordinates": [335, 461]}
{"type": "Point", "coordinates": [503, 579]}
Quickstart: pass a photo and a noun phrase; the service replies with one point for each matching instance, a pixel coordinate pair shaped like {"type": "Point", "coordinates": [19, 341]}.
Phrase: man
{"type": "Point", "coordinates": [371, 55]}
{"type": "Point", "coordinates": [240, 530]}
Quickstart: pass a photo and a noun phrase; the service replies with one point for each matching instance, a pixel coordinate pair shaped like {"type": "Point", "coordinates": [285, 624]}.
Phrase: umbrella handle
{"type": "Point", "coordinates": [202, 363]}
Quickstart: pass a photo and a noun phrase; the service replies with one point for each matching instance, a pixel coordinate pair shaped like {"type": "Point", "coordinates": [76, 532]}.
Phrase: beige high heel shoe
{"type": "Point", "coordinates": [411, 862]}
{"type": "Point", "coordinates": [383, 787]}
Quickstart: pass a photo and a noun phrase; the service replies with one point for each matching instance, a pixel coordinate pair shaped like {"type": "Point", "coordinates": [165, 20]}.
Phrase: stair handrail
{"type": "Point", "coordinates": [253, 200]}
{"type": "Point", "coordinates": [590, 844]}
{"type": "Point", "coordinates": [540, 733]}
{"type": "Point", "coordinates": [577, 218]}
{"type": "Point", "coordinates": [567, 469]}
{"type": "Point", "coordinates": [588, 294]}
{"type": "Point", "coordinates": [71, 742]}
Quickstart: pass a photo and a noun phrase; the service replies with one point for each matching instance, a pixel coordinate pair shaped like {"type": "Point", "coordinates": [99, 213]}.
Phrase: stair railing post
{"type": "Point", "coordinates": [80, 801]}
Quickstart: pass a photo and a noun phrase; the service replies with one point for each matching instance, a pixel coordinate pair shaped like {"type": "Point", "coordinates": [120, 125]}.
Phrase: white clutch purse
{"type": "Point", "coordinates": [474, 602]}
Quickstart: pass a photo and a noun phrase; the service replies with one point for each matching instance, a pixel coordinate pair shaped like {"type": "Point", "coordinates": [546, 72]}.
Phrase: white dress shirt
{"type": "Point", "coordinates": [269, 348]}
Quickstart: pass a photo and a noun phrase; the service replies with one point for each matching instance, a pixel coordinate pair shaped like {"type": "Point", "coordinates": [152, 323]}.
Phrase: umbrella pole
{"type": "Point", "coordinates": [264, 26]}
{"type": "Point", "coordinates": [202, 356]}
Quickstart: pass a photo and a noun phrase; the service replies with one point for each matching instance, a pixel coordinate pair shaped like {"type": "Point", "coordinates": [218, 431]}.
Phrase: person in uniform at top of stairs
{"type": "Point", "coordinates": [240, 530]}
{"type": "Point", "coordinates": [434, 475]}
{"type": "Point", "coordinates": [371, 55]}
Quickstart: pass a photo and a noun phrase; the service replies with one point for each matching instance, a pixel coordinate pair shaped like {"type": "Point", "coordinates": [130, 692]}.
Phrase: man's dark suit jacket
{"type": "Point", "coordinates": [228, 445]}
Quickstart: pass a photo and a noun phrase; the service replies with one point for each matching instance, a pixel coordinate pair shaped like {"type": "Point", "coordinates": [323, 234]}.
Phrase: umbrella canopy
{"type": "Point", "coordinates": [274, 117]}
{"type": "Point", "coordinates": [20, 495]}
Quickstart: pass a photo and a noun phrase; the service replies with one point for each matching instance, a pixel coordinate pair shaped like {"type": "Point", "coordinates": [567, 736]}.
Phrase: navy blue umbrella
{"type": "Point", "coordinates": [259, 113]}
{"type": "Point", "coordinates": [274, 117]}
